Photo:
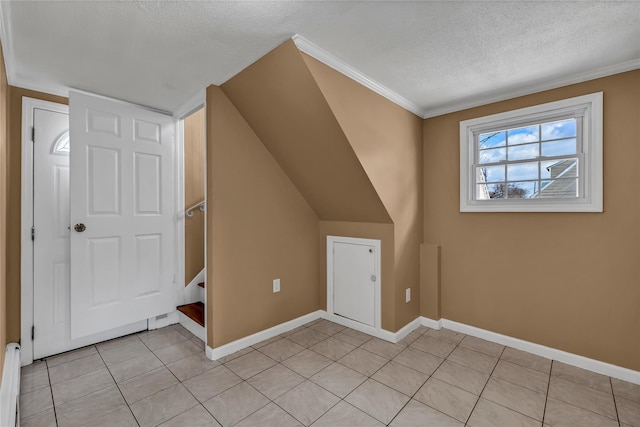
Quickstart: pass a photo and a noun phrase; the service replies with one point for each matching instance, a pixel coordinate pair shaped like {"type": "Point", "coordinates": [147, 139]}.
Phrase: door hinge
{"type": "Point", "coordinates": [33, 234]}
{"type": "Point", "coordinates": [33, 134]}
{"type": "Point", "coordinates": [33, 332]}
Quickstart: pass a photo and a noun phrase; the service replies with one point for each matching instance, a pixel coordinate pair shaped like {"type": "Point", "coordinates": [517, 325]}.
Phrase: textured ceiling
{"type": "Point", "coordinates": [440, 56]}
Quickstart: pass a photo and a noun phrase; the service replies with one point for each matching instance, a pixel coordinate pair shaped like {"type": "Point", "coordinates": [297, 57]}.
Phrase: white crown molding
{"type": "Point", "coordinates": [7, 41]}
{"type": "Point", "coordinates": [342, 67]}
{"type": "Point", "coordinates": [531, 89]}
{"type": "Point", "coordinates": [191, 105]}
{"type": "Point", "coordinates": [475, 101]}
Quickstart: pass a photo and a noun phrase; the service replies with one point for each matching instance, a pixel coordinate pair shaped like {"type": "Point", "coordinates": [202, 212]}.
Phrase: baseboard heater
{"type": "Point", "coordinates": [10, 388]}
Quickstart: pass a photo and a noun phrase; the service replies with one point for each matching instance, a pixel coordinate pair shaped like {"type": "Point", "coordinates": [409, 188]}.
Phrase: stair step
{"type": "Point", "coordinates": [195, 311]}
{"type": "Point", "coordinates": [201, 284]}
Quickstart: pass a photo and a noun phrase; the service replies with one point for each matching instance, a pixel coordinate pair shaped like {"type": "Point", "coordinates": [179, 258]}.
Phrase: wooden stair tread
{"type": "Point", "coordinates": [194, 311]}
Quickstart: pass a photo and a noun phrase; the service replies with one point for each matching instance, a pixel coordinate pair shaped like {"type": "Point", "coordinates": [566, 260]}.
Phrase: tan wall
{"type": "Point", "coordinates": [430, 305]}
{"type": "Point", "coordinates": [14, 170]}
{"type": "Point", "coordinates": [281, 101]}
{"type": "Point", "coordinates": [4, 99]}
{"type": "Point", "coordinates": [570, 281]}
{"type": "Point", "coordinates": [259, 227]}
{"type": "Point", "coordinates": [387, 140]}
{"type": "Point", "coordinates": [193, 194]}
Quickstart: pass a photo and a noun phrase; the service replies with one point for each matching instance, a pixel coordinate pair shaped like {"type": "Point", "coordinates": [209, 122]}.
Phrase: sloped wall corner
{"type": "Point", "coordinates": [387, 140]}
{"type": "Point", "coordinates": [259, 228]}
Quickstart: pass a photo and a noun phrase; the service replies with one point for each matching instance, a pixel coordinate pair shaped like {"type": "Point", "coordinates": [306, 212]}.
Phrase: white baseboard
{"type": "Point", "coordinates": [548, 352]}
{"type": "Point", "coordinates": [191, 326]}
{"type": "Point", "coordinates": [10, 388]}
{"type": "Point", "coordinates": [537, 349]}
{"type": "Point", "coordinates": [232, 347]}
{"type": "Point", "coordinates": [430, 323]}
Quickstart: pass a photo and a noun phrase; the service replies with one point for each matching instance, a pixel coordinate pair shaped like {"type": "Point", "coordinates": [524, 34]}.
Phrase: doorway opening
{"type": "Point", "coordinates": [192, 311]}
{"type": "Point", "coordinates": [135, 273]}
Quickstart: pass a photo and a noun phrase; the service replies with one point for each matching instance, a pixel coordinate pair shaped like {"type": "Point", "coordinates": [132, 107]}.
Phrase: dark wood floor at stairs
{"type": "Point", "coordinates": [195, 311]}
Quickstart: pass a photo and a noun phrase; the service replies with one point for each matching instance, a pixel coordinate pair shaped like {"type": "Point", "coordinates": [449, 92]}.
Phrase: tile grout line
{"type": "Point", "coordinates": [53, 402]}
{"type": "Point", "coordinates": [546, 397]}
{"type": "Point", "coordinates": [280, 363]}
{"type": "Point", "coordinates": [174, 375]}
{"type": "Point", "coordinates": [485, 385]}
{"type": "Point", "coordinates": [198, 403]}
{"type": "Point", "coordinates": [590, 388]}
{"type": "Point", "coordinates": [425, 381]}
{"type": "Point", "coordinates": [615, 404]}
{"type": "Point", "coordinates": [117, 386]}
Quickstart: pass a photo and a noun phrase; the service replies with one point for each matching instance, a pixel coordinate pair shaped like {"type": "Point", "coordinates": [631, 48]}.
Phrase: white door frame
{"type": "Point", "coordinates": [377, 329]}
{"type": "Point", "coordinates": [26, 222]}
{"type": "Point", "coordinates": [192, 105]}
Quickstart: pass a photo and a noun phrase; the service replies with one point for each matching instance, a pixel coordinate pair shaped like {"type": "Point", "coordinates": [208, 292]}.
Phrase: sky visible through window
{"type": "Point", "coordinates": [528, 162]}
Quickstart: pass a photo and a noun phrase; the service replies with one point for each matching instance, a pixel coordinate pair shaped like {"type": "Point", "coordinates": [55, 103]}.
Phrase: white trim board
{"type": "Point", "coordinates": [529, 89]}
{"type": "Point", "coordinates": [537, 349]}
{"type": "Point", "coordinates": [342, 67]}
{"type": "Point", "coordinates": [232, 347]}
{"type": "Point", "coordinates": [544, 351]}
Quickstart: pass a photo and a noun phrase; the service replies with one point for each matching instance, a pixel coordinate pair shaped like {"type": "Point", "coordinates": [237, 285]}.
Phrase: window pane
{"type": "Point", "coordinates": [522, 171]}
{"type": "Point", "coordinates": [496, 191]}
{"type": "Point", "coordinates": [561, 129]}
{"type": "Point", "coordinates": [490, 174]}
{"type": "Point", "coordinates": [482, 191]}
{"type": "Point", "coordinates": [523, 135]}
{"type": "Point", "coordinates": [492, 139]}
{"type": "Point", "coordinates": [555, 169]}
{"type": "Point", "coordinates": [493, 155]}
{"type": "Point", "coordinates": [522, 190]}
{"type": "Point", "coordinates": [560, 188]}
{"type": "Point", "coordinates": [561, 147]}
{"type": "Point", "coordinates": [522, 152]}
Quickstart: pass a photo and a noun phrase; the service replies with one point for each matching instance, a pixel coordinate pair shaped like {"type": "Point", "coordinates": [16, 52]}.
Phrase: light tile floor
{"type": "Point", "coordinates": [321, 374]}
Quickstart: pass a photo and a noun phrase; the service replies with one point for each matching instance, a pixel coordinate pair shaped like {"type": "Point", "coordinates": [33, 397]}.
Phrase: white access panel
{"type": "Point", "coordinates": [354, 280]}
{"type": "Point", "coordinates": [122, 214]}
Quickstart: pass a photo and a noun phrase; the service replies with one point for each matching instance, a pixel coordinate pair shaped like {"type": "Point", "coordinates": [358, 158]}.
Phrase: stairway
{"type": "Point", "coordinates": [192, 315]}
{"type": "Point", "coordinates": [194, 311]}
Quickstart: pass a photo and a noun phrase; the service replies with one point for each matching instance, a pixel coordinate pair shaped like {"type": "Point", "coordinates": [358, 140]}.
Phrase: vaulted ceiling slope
{"type": "Point", "coordinates": [431, 57]}
{"type": "Point", "coordinates": [281, 101]}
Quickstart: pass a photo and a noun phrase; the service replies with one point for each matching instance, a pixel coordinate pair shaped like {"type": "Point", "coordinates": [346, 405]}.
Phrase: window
{"type": "Point", "coordinates": [61, 144]}
{"type": "Point", "coordinates": [546, 158]}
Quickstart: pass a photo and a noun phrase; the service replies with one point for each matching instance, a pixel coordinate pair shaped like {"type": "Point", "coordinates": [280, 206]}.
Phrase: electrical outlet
{"type": "Point", "coordinates": [276, 285]}
{"type": "Point", "coordinates": [407, 296]}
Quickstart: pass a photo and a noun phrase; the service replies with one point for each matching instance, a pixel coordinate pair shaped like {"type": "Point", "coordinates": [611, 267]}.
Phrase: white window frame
{"type": "Point", "coordinates": [588, 107]}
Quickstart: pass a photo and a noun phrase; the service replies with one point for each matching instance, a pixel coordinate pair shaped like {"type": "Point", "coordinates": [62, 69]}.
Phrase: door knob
{"type": "Point", "coordinates": [79, 227]}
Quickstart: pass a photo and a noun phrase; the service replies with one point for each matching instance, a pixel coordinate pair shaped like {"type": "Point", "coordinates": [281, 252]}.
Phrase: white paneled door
{"type": "Point", "coordinates": [122, 214]}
